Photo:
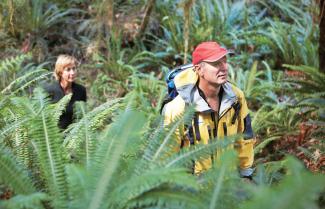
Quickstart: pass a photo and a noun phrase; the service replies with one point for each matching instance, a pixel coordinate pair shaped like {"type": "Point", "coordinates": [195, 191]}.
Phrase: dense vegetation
{"type": "Point", "coordinates": [117, 154]}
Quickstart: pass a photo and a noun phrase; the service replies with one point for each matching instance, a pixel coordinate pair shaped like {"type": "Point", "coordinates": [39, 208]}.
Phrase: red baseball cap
{"type": "Point", "coordinates": [208, 51]}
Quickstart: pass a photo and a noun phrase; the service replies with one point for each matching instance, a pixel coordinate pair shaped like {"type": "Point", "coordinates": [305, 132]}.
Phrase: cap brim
{"type": "Point", "coordinates": [217, 57]}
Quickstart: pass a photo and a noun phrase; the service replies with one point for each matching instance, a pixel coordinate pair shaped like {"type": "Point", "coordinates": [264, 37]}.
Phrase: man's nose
{"type": "Point", "coordinates": [224, 66]}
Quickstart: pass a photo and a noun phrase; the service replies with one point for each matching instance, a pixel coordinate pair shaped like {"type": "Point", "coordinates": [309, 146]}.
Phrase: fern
{"type": "Point", "coordinates": [87, 147]}
{"type": "Point", "coordinates": [13, 64]}
{"type": "Point", "coordinates": [78, 181]}
{"type": "Point", "coordinates": [315, 76]}
{"type": "Point", "coordinates": [26, 80]}
{"type": "Point", "coordinates": [60, 106]}
{"type": "Point", "coordinates": [21, 147]}
{"type": "Point", "coordinates": [151, 180]}
{"type": "Point", "coordinates": [108, 154]}
{"type": "Point", "coordinates": [9, 67]}
{"type": "Point", "coordinates": [218, 187]}
{"type": "Point", "coordinates": [32, 201]}
{"type": "Point", "coordinates": [221, 186]}
{"type": "Point", "coordinates": [161, 143]}
{"type": "Point", "coordinates": [14, 174]}
{"type": "Point", "coordinates": [303, 185]}
{"type": "Point", "coordinates": [91, 121]}
{"type": "Point", "coordinates": [197, 152]}
{"type": "Point", "coordinates": [46, 136]}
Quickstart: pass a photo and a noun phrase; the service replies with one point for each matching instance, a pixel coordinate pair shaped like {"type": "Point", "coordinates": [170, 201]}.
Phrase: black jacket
{"type": "Point", "coordinates": [56, 93]}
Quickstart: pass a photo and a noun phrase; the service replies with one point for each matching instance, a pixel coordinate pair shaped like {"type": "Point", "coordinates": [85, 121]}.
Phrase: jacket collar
{"type": "Point", "coordinates": [59, 87]}
{"type": "Point", "coordinates": [185, 83]}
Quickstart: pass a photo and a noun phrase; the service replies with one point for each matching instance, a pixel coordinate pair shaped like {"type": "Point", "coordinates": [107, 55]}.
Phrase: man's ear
{"type": "Point", "coordinates": [198, 69]}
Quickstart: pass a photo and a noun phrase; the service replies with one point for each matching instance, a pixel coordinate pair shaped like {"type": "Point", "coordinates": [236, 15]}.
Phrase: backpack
{"type": "Point", "coordinates": [172, 92]}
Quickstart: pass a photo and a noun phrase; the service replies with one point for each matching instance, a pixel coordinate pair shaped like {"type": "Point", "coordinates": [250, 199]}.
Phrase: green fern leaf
{"type": "Point", "coordinates": [32, 201]}
{"type": "Point", "coordinates": [14, 174]}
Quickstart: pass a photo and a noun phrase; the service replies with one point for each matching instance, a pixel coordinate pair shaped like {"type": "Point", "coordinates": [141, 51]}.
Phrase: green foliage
{"type": "Point", "coordinates": [127, 169]}
{"type": "Point", "coordinates": [118, 154]}
{"type": "Point", "coordinates": [26, 201]}
{"type": "Point", "coordinates": [14, 174]}
{"type": "Point", "coordinates": [301, 183]}
{"type": "Point", "coordinates": [9, 67]}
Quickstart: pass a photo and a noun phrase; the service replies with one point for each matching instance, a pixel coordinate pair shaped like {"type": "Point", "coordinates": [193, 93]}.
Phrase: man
{"type": "Point", "coordinates": [221, 108]}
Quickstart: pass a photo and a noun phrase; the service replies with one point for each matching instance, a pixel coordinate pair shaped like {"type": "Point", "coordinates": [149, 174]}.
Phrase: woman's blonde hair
{"type": "Point", "coordinates": [63, 61]}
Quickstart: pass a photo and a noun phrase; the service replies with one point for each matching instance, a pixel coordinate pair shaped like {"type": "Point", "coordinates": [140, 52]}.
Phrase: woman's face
{"type": "Point", "coordinates": [69, 73]}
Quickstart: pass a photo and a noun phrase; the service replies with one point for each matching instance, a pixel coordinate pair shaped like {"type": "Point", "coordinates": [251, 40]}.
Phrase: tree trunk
{"type": "Point", "coordinates": [322, 36]}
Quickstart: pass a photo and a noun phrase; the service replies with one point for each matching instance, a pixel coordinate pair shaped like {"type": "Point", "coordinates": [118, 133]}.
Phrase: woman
{"type": "Point", "coordinates": [65, 73]}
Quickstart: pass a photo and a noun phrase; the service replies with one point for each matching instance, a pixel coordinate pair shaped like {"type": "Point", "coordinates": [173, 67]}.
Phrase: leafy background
{"type": "Point", "coordinates": [116, 154]}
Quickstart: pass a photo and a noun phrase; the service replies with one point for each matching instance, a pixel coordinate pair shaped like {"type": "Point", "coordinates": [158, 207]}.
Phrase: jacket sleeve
{"type": "Point", "coordinates": [245, 145]}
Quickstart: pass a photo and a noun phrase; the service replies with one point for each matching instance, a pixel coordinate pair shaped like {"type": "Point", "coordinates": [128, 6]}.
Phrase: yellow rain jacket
{"type": "Point", "coordinates": [233, 118]}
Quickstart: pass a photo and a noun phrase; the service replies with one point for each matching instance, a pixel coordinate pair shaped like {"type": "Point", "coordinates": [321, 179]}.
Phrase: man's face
{"type": "Point", "coordinates": [214, 73]}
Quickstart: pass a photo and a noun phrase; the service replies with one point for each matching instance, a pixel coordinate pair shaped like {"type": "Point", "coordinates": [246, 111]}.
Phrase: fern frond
{"type": "Point", "coordinates": [32, 201]}
{"type": "Point", "coordinates": [166, 199]}
{"type": "Point", "coordinates": [312, 102]}
{"type": "Point", "coordinates": [307, 186]}
{"type": "Point", "coordinates": [13, 64]}
{"type": "Point", "coordinates": [9, 68]}
{"type": "Point", "coordinates": [95, 119]}
{"type": "Point", "coordinates": [60, 106]}
{"type": "Point", "coordinates": [220, 174]}
{"type": "Point", "coordinates": [77, 185]}
{"type": "Point", "coordinates": [88, 145]}
{"type": "Point", "coordinates": [251, 77]}
{"type": "Point", "coordinates": [265, 142]}
{"type": "Point", "coordinates": [108, 155]}
{"type": "Point", "coordinates": [14, 174]}
{"type": "Point", "coordinates": [197, 152]}
{"type": "Point", "coordinates": [20, 141]}
{"type": "Point", "coordinates": [48, 140]}
{"type": "Point", "coordinates": [150, 180]}
{"type": "Point", "coordinates": [25, 80]}
{"type": "Point", "coordinates": [160, 148]}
